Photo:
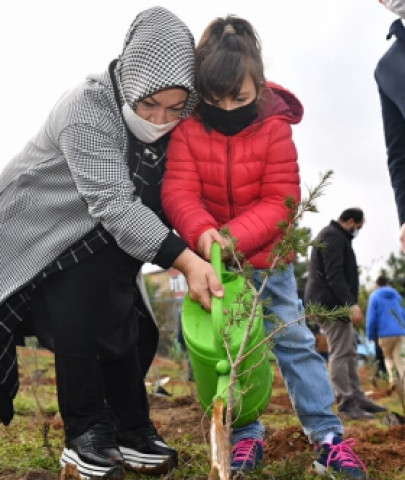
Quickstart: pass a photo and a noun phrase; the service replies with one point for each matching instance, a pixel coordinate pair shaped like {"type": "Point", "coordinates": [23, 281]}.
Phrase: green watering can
{"type": "Point", "coordinates": [204, 336]}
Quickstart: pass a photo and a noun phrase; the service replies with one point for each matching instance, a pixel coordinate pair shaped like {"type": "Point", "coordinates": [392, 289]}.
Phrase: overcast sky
{"type": "Point", "coordinates": [325, 51]}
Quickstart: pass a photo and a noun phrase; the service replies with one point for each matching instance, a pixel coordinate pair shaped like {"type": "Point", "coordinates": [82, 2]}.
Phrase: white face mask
{"type": "Point", "coordinates": [355, 232]}
{"type": "Point", "coordinates": [143, 130]}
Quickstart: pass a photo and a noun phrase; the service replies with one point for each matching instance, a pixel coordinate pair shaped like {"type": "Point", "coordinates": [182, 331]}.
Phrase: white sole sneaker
{"type": "Point", "coordinates": [146, 462]}
{"type": "Point", "coordinates": [87, 470]}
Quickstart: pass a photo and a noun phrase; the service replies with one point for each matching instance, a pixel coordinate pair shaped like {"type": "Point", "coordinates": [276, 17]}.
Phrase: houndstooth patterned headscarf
{"type": "Point", "coordinates": [158, 53]}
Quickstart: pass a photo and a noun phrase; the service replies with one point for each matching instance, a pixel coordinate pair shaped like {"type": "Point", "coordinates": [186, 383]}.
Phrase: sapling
{"type": "Point", "coordinates": [295, 240]}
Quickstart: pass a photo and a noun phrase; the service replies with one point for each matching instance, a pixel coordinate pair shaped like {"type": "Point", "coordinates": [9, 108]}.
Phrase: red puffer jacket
{"type": "Point", "coordinates": [240, 182]}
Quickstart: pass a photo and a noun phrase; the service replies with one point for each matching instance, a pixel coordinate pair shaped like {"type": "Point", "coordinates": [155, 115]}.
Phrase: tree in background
{"type": "Point", "coordinates": [395, 271]}
{"type": "Point", "coordinates": [165, 309]}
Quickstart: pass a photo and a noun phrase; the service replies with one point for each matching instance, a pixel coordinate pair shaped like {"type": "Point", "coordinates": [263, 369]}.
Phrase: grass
{"type": "Point", "coordinates": [35, 437]}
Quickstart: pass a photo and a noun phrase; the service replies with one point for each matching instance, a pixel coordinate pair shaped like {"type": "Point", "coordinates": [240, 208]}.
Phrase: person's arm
{"type": "Point", "coordinates": [394, 131]}
{"type": "Point", "coordinates": [371, 318]}
{"type": "Point", "coordinates": [99, 170]}
{"type": "Point", "coordinates": [102, 180]}
{"type": "Point", "coordinates": [181, 191]}
{"type": "Point", "coordinates": [259, 225]}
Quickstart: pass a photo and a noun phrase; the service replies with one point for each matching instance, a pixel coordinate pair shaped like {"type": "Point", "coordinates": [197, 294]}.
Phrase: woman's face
{"type": "Point", "coordinates": [164, 106]}
{"type": "Point", "coordinates": [246, 95]}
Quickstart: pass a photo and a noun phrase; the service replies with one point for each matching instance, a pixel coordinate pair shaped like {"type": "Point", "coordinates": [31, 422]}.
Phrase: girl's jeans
{"type": "Point", "coordinates": [302, 368]}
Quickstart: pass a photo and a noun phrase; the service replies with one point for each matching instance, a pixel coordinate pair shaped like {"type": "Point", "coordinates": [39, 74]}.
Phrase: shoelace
{"type": "Point", "coordinates": [244, 450]}
{"type": "Point", "coordinates": [343, 453]}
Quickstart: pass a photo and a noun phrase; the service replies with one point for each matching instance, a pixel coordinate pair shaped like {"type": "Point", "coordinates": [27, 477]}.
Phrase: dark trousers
{"type": "Point", "coordinates": [91, 315]}
{"type": "Point", "coordinates": [390, 78]}
{"type": "Point", "coordinates": [379, 357]}
{"type": "Point", "coordinates": [92, 391]}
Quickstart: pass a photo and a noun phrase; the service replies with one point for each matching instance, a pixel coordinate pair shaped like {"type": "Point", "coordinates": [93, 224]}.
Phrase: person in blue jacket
{"type": "Point", "coordinates": [386, 319]}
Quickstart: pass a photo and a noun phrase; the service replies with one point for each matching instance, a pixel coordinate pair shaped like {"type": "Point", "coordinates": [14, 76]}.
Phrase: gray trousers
{"type": "Point", "coordinates": [342, 343]}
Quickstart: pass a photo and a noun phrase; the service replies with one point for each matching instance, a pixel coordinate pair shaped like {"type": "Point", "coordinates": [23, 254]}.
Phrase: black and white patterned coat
{"type": "Point", "coordinates": [73, 174]}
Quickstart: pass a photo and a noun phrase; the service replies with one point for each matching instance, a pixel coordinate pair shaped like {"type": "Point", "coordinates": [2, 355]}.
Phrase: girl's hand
{"type": "Point", "coordinates": [206, 240]}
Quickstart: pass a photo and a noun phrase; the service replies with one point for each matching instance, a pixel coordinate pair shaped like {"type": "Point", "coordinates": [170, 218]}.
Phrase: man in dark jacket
{"type": "Point", "coordinates": [333, 282]}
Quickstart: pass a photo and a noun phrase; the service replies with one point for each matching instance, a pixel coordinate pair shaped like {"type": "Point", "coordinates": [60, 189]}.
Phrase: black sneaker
{"type": "Point", "coordinates": [145, 451]}
{"type": "Point", "coordinates": [369, 406]}
{"type": "Point", "coordinates": [161, 392]}
{"type": "Point", "coordinates": [354, 412]}
{"type": "Point", "coordinates": [95, 453]}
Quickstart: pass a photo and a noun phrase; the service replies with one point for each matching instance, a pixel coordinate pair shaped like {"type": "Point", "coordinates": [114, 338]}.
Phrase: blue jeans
{"type": "Point", "coordinates": [302, 368]}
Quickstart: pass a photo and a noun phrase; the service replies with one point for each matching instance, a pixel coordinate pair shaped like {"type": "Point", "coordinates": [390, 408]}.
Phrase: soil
{"type": "Point", "coordinates": [383, 448]}
{"type": "Point", "coordinates": [175, 417]}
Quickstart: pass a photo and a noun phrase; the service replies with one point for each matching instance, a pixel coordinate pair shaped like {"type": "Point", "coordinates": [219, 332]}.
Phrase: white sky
{"type": "Point", "coordinates": [325, 51]}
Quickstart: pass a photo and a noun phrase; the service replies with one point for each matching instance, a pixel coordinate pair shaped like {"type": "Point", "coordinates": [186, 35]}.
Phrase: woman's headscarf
{"type": "Point", "coordinates": [158, 53]}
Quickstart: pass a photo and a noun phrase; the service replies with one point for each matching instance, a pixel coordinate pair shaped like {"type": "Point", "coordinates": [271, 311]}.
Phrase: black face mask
{"type": "Point", "coordinates": [228, 122]}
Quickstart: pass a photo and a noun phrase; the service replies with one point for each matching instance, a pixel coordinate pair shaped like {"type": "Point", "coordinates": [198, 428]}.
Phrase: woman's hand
{"type": "Point", "coordinates": [207, 239]}
{"type": "Point", "coordinates": [201, 278]}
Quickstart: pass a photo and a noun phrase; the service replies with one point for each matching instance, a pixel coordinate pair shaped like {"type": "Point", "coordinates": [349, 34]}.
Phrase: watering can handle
{"type": "Point", "coordinates": [217, 304]}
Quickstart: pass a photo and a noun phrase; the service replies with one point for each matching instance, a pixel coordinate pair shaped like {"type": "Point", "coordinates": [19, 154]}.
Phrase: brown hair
{"type": "Point", "coordinates": [228, 50]}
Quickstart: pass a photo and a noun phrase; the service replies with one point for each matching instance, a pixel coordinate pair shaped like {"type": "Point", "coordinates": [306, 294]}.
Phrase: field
{"type": "Point", "coordinates": [30, 446]}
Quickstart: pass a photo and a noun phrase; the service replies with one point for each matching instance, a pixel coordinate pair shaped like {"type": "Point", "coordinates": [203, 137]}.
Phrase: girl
{"type": "Point", "coordinates": [232, 165]}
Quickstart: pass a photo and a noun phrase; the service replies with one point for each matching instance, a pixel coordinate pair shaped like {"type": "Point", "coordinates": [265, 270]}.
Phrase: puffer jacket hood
{"type": "Point", "coordinates": [158, 53]}
{"type": "Point", "coordinates": [278, 101]}
{"type": "Point", "coordinates": [388, 293]}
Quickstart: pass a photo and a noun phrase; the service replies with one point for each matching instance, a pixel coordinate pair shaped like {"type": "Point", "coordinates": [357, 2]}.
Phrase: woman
{"type": "Point", "coordinates": [80, 213]}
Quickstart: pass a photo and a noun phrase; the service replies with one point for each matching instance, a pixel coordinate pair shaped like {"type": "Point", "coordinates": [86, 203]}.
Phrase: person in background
{"type": "Point", "coordinates": [333, 281]}
{"type": "Point", "coordinates": [232, 165]}
{"type": "Point", "coordinates": [390, 78]}
{"type": "Point", "coordinates": [386, 319]}
{"type": "Point", "coordinates": [380, 369]}
{"type": "Point", "coordinates": [182, 344]}
{"type": "Point", "coordinates": [80, 214]}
